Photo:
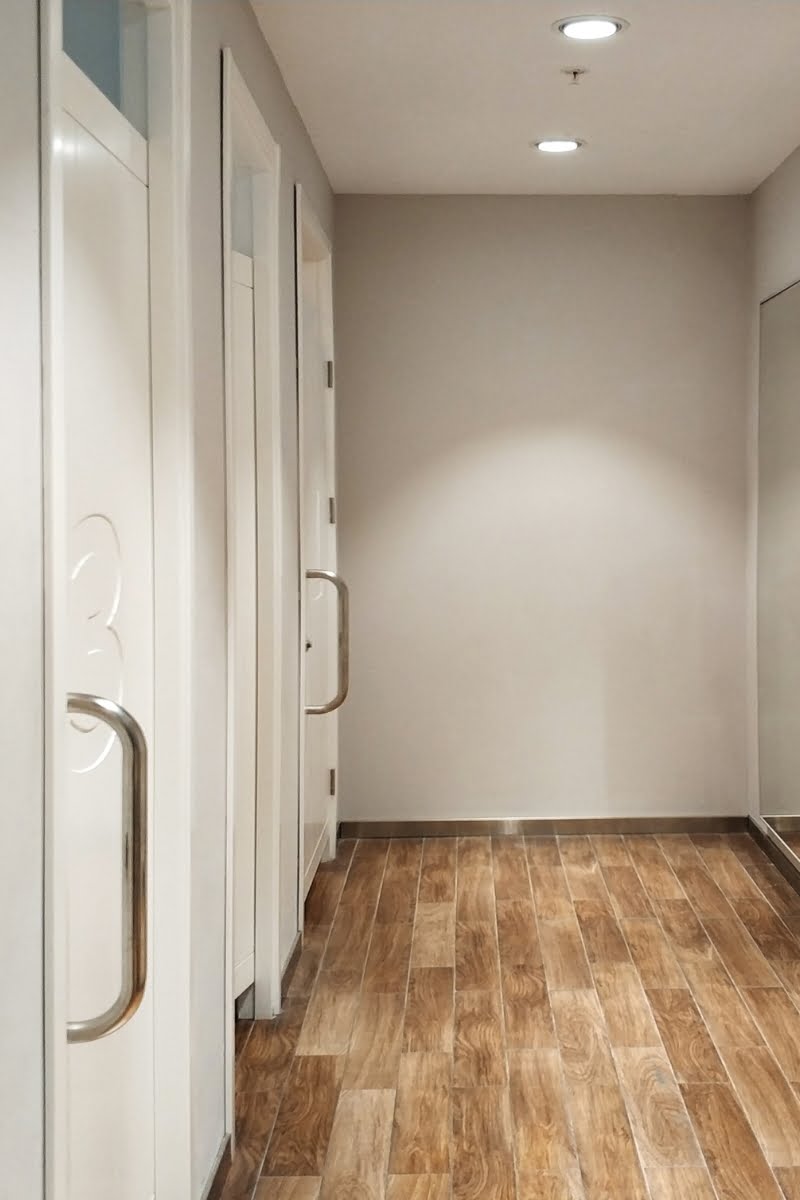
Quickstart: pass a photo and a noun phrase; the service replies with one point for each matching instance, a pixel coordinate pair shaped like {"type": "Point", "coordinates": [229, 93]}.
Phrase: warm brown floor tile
{"type": "Point", "coordinates": [789, 1179]}
{"type": "Point", "coordinates": [376, 1041]}
{"type": "Point", "coordinates": [479, 1054]}
{"type": "Point", "coordinates": [288, 1189]}
{"type": "Point", "coordinates": [420, 1141]}
{"type": "Point", "coordinates": [542, 851]}
{"type": "Point", "coordinates": [610, 850]}
{"type": "Point", "coordinates": [305, 973]}
{"type": "Point", "coordinates": [529, 1020]}
{"type": "Point", "coordinates": [404, 854]}
{"type": "Point", "coordinates": [740, 955]}
{"type": "Point", "coordinates": [702, 893]}
{"type": "Point", "coordinates": [547, 1186]}
{"type": "Point", "coordinates": [398, 899]}
{"type": "Point", "coordinates": [652, 954]}
{"type": "Point", "coordinates": [474, 852]}
{"type": "Point", "coordinates": [323, 895]}
{"type": "Point", "coordinates": [437, 882]}
{"type": "Point", "coordinates": [510, 865]}
{"type": "Point", "coordinates": [602, 935]}
{"type": "Point", "coordinates": [679, 850]}
{"type": "Point", "coordinates": [661, 1127]}
{"type": "Point", "coordinates": [685, 933]}
{"type": "Point", "coordinates": [255, 1117]}
{"type": "Point", "coordinates": [768, 1101]}
{"type": "Point", "coordinates": [418, 1187]}
{"type": "Point", "coordinates": [388, 959]}
{"type": "Point", "coordinates": [563, 954]}
{"type": "Point", "coordinates": [359, 1147]}
{"type": "Point", "coordinates": [429, 1009]}
{"type": "Point", "coordinates": [605, 1143]}
{"type": "Point", "coordinates": [483, 1163]}
{"type": "Point", "coordinates": [539, 1114]}
{"type": "Point", "coordinates": [779, 1022]}
{"type": "Point", "coordinates": [517, 933]}
{"type": "Point", "coordinates": [374, 849]}
{"type": "Point", "coordinates": [627, 894]}
{"type": "Point", "coordinates": [628, 1017]}
{"type": "Point", "coordinates": [346, 951]}
{"type": "Point", "coordinates": [738, 1168]}
{"type": "Point", "coordinates": [657, 876]}
{"type": "Point", "coordinates": [552, 900]}
{"type": "Point", "coordinates": [477, 964]}
{"type": "Point", "coordinates": [685, 1035]}
{"type": "Point", "coordinates": [241, 1033]}
{"type": "Point", "coordinates": [363, 884]}
{"type": "Point", "coordinates": [584, 876]}
{"type": "Point", "coordinates": [680, 1183]}
{"type": "Point", "coordinates": [303, 1126]}
{"type": "Point", "coordinates": [269, 1050]}
{"type": "Point", "coordinates": [767, 930]}
{"type": "Point", "coordinates": [728, 873]}
{"type": "Point", "coordinates": [723, 1010]}
{"type": "Point", "coordinates": [329, 1019]}
{"type": "Point", "coordinates": [475, 900]}
{"type": "Point", "coordinates": [582, 1038]}
{"type": "Point", "coordinates": [434, 936]}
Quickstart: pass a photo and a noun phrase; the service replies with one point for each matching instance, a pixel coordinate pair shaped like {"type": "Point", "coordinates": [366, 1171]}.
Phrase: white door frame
{"type": "Point", "coordinates": [311, 243]}
{"type": "Point", "coordinates": [247, 141]}
{"type": "Point", "coordinates": [169, 140]}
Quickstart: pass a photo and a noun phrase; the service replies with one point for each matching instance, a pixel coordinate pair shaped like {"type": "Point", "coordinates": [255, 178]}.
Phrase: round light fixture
{"type": "Point", "coordinates": [558, 145]}
{"type": "Point", "coordinates": [591, 29]}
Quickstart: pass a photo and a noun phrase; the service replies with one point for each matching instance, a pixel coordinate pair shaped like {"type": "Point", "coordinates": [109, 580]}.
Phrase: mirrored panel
{"type": "Point", "coordinates": [779, 565]}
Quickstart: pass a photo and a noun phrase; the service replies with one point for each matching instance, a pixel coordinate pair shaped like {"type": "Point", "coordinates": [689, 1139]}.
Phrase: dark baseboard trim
{"type": "Point", "coordinates": [482, 828]}
{"type": "Point", "coordinates": [774, 854]}
{"type": "Point", "coordinates": [221, 1173]}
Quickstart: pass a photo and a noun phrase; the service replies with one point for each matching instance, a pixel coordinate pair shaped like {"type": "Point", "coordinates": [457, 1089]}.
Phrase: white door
{"type": "Point", "coordinates": [321, 649]}
{"type": "Point", "coordinates": [106, 339]}
{"type": "Point", "coordinates": [242, 598]}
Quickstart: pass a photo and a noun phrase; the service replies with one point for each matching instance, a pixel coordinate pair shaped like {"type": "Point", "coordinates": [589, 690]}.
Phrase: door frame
{"type": "Point", "coordinates": [312, 244]}
{"type": "Point", "coordinates": [169, 71]}
{"type": "Point", "coordinates": [247, 140]}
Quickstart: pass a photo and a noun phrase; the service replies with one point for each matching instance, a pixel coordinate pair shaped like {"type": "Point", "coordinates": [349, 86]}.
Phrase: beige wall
{"type": "Point", "coordinates": [218, 23]}
{"type": "Point", "coordinates": [542, 408]}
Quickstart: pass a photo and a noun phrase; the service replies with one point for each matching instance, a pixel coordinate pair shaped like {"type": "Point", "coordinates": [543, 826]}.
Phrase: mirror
{"type": "Point", "coordinates": [779, 565]}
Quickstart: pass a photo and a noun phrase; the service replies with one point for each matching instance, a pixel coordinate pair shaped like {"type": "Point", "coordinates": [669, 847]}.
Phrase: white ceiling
{"type": "Point", "coordinates": [424, 96]}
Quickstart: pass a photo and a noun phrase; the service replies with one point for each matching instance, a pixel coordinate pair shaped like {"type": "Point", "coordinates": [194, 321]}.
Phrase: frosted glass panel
{"type": "Point", "coordinates": [107, 39]}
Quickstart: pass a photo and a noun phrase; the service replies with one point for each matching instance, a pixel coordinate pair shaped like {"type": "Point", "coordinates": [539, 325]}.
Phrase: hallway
{"type": "Point", "coordinates": [532, 1019]}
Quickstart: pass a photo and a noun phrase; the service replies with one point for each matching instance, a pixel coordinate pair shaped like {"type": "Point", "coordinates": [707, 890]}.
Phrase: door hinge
{"type": "Point", "coordinates": [331, 510]}
{"type": "Point", "coordinates": [329, 372]}
{"type": "Point", "coordinates": [332, 784]}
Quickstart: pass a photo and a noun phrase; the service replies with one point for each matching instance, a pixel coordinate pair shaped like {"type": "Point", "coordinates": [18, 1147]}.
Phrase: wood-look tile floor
{"type": "Point", "coordinates": [578, 1018]}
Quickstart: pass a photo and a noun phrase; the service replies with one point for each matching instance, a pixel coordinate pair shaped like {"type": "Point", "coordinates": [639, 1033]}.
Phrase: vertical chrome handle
{"type": "Point", "coordinates": [343, 686]}
{"type": "Point", "coordinates": [134, 866]}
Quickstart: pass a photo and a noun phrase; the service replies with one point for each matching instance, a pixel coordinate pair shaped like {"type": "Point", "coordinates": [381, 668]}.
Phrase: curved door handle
{"type": "Point", "coordinates": [134, 866]}
{"type": "Point", "coordinates": [343, 686]}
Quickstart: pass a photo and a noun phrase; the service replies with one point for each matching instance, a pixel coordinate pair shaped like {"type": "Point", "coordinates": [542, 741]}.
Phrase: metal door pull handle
{"type": "Point", "coordinates": [343, 597]}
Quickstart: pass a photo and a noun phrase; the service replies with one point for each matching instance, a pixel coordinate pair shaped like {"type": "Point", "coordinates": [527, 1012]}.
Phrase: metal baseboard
{"type": "Point", "coordinates": [534, 828]}
{"type": "Point", "coordinates": [776, 849]}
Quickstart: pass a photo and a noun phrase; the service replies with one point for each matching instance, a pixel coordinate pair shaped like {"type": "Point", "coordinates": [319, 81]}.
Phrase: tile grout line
{"type": "Point", "coordinates": [511, 1123]}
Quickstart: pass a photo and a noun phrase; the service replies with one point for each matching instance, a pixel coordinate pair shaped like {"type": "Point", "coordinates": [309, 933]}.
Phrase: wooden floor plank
{"type": "Point", "coordinates": [303, 1127]}
{"type": "Point", "coordinates": [684, 930]}
{"type": "Point", "coordinates": [479, 1052]}
{"type": "Point", "coordinates": [584, 875]}
{"type": "Point", "coordinates": [628, 1017]}
{"type": "Point", "coordinates": [482, 1152]}
{"type": "Point", "coordinates": [518, 933]}
{"type": "Point", "coordinates": [722, 1007]}
{"type": "Point", "coordinates": [680, 1183]}
{"type": "Point", "coordinates": [685, 1036]}
{"type": "Point", "coordinates": [510, 867]}
{"type": "Point", "coordinates": [779, 1021]}
{"type": "Point", "coordinates": [429, 1009]}
{"type": "Point", "coordinates": [769, 1102]}
{"type": "Point", "coordinates": [551, 896]}
{"type": "Point", "coordinates": [375, 1045]}
{"type": "Point", "coordinates": [661, 1129]}
{"type": "Point", "coordinates": [388, 958]}
{"type": "Point", "coordinates": [610, 850]}
{"type": "Point", "coordinates": [652, 954]}
{"type": "Point", "coordinates": [740, 955]}
{"type": "Point", "coordinates": [563, 954]}
{"type": "Point", "coordinates": [582, 1038]}
{"type": "Point", "coordinates": [433, 943]}
{"type": "Point", "coordinates": [329, 1019]}
{"type": "Point", "coordinates": [528, 1017]}
{"type": "Point", "coordinates": [475, 899]}
{"type": "Point", "coordinates": [607, 1153]}
{"type": "Point", "coordinates": [738, 1168]}
{"type": "Point", "coordinates": [728, 873]}
{"type": "Point", "coordinates": [474, 852]}
{"type": "Point", "coordinates": [476, 955]}
{"type": "Point", "coordinates": [767, 930]}
{"type": "Point", "coordinates": [601, 932]}
{"type": "Point", "coordinates": [702, 892]}
{"type": "Point", "coordinates": [288, 1189]}
{"type": "Point", "coordinates": [359, 1147]}
{"type": "Point", "coordinates": [398, 898]}
{"type": "Point", "coordinates": [418, 1187]}
{"type": "Point", "coordinates": [542, 1133]}
{"type": "Point", "coordinates": [627, 893]}
{"type": "Point", "coordinates": [438, 876]}
{"type": "Point", "coordinates": [421, 1134]}
{"type": "Point", "coordinates": [657, 876]}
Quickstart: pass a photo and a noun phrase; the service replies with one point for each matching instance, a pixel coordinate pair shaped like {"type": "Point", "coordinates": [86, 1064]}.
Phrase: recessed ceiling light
{"type": "Point", "coordinates": [591, 29]}
{"type": "Point", "coordinates": [558, 145]}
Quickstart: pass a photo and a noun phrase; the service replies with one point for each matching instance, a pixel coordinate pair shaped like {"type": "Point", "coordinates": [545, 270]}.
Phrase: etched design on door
{"type": "Point", "coordinates": [97, 659]}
